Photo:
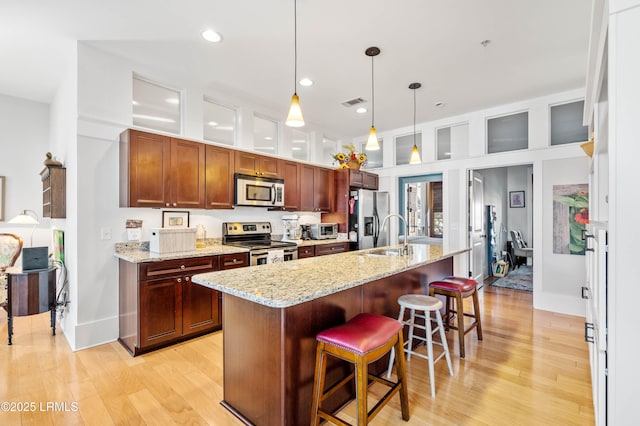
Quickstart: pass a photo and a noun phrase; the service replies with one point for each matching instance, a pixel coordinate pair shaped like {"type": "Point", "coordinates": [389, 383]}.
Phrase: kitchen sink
{"type": "Point", "coordinates": [384, 252]}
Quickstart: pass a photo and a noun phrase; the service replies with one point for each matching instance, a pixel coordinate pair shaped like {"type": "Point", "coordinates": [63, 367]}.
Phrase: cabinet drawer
{"type": "Point", "coordinates": [236, 260]}
{"type": "Point", "coordinates": [324, 249]}
{"type": "Point", "coordinates": [168, 268]}
{"type": "Point", "coordinates": [306, 252]}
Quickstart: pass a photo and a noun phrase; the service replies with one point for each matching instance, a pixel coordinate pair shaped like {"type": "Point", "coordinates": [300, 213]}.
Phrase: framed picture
{"type": "Point", "coordinates": [172, 219]}
{"type": "Point", "coordinates": [516, 199]}
{"type": "Point", "coordinates": [58, 245]}
{"type": "Point", "coordinates": [1, 198]}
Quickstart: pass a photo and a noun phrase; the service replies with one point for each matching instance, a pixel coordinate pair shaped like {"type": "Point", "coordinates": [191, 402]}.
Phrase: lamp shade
{"type": "Point", "coordinates": [415, 156]}
{"type": "Point", "coordinates": [25, 218]}
{"type": "Point", "coordinates": [294, 119]}
{"type": "Point", "coordinates": [372, 141]}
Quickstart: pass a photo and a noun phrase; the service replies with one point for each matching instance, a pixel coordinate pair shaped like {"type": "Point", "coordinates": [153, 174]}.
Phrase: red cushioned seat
{"type": "Point", "coordinates": [458, 288]}
{"type": "Point", "coordinates": [364, 333]}
{"type": "Point", "coordinates": [455, 284]}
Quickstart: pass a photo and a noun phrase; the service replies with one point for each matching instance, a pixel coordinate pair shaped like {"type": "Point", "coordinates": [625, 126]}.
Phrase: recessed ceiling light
{"type": "Point", "coordinates": [172, 101]}
{"type": "Point", "coordinates": [224, 128]}
{"type": "Point", "coordinates": [211, 36]}
{"type": "Point", "coordinates": [268, 138]}
{"type": "Point", "coordinates": [212, 123]}
{"type": "Point", "coordinates": [134, 102]}
{"type": "Point", "coordinates": [296, 148]}
{"type": "Point", "coordinates": [439, 104]}
{"type": "Point", "coordinates": [361, 110]}
{"type": "Point", "coordinates": [485, 43]}
{"type": "Point", "coordinates": [306, 82]}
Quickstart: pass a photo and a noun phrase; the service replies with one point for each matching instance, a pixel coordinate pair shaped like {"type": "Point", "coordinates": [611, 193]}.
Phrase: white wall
{"type": "Point", "coordinates": [455, 172]}
{"type": "Point", "coordinates": [24, 138]}
{"type": "Point", "coordinates": [518, 218]}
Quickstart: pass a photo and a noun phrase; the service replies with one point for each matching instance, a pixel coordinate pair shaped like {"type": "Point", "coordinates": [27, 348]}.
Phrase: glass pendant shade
{"type": "Point", "coordinates": [415, 156]}
{"type": "Point", "coordinates": [372, 141]}
{"type": "Point", "coordinates": [294, 119]}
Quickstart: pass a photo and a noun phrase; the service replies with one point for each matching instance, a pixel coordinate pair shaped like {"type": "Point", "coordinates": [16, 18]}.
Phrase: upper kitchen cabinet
{"type": "Point", "coordinates": [248, 163]}
{"type": "Point", "coordinates": [219, 169]}
{"type": "Point", "coordinates": [160, 171]}
{"type": "Point", "coordinates": [361, 179]}
{"type": "Point", "coordinates": [291, 175]}
{"type": "Point", "coordinates": [316, 185]}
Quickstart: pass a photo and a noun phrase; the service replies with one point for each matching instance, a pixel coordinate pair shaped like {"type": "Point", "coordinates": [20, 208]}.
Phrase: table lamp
{"type": "Point", "coordinates": [25, 218]}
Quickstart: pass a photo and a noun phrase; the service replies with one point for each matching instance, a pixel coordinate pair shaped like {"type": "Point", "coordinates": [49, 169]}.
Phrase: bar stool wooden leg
{"type": "Point", "coordinates": [318, 383]}
{"type": "Point", "coordinates": [460, 315]}
{"type": "Point", "coordinates": [402, 378]}
{"type": "Point", "coordinates": [476, 313]}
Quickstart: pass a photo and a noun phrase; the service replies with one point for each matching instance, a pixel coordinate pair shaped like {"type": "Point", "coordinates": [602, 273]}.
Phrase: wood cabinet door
{"type": "Point", "coordinates": [306, 251]}
{"type": "Point", "coordinates": [331, 248]}
{"type": "Point", "coordinates": [235, 260]}
{"type": "Point", "coordinates": [247, 163]}
{"type": "Point", "coordinates": [160, 311]}
{"type": "Point", "coordinates": [270, 167]}
{"type": "Point", "coordinates": [144, 169]}
{"type": "Point", "coordinates": [291, 174]}
{"type": "Point", "coordinates": [219, 182]}
{"type": "Point", "coordinates": [200, 308]}
{"type": "Point", "coordinates": [187, 174]}
{"type": "Point", "coordinates": [323, 184]}
{"type": "Point", "coordinates": [370, 181]}
{"type": "Point", "coordinates": [307, 188]}
{"type": "Point", "coordinates": [355, 178]}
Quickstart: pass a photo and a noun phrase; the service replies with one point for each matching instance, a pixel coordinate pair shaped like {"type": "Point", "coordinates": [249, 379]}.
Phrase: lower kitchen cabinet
{"type": "Point", "coordinates": [331, 248]}
{"type": "Point", "coordinates": [322, 249]}
{"type": "Point", "coordinates": [159, 304]}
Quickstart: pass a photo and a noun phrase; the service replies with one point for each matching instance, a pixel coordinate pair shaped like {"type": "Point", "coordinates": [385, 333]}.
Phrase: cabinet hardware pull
{"type": "Point", "coordinates": [585, 292]}
{"type": "Point", "coordinates": [175, 204]}
{"type": "Point", "coordinates": [589, 249]}
{"type": "Point", "coordinates": [167, 205]}
{"type": "Point", "coordinates": [182, 266]}
{"type": "Point", "coordinates": [588, 326]}
{"type": "Point", "coordinates": [179, 280]}
{"type": "Point", "coordinates": [186, 279]}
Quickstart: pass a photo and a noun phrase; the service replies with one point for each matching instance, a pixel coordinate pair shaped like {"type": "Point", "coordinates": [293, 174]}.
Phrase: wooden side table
{"type": "Point", "coordinates": [30, 293]}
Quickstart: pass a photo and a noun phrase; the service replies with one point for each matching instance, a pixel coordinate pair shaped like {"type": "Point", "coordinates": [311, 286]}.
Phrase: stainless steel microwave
{"type": "Point", "coordinates": [259, 191]}
{"type": "Point", "coordinates": [323, 231]}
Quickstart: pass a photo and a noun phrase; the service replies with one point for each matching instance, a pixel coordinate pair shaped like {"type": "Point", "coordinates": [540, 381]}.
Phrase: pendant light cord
{"type": "Point", "coordinates": [295, 45]}
{"type": "Point", "coordinates": [414, 117]}
{"type": "Point", "coordinates": [373, 97]}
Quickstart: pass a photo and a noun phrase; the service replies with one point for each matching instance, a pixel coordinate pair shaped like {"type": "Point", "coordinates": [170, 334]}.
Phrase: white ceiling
{"type": "Point", "coordinates": [537, 48]}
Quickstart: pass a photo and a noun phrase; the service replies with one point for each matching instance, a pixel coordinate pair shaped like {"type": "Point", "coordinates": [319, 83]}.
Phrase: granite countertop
{"type": "Point", "coordinates": [305, 243]}
{"type": "Point", "coordinates": [281, 285]}
{"type": "Point", "coordinates": [139, 252]}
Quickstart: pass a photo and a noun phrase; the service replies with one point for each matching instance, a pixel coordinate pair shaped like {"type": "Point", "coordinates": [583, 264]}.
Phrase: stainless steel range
{"type": "Point", "coordinates": [256, 236]}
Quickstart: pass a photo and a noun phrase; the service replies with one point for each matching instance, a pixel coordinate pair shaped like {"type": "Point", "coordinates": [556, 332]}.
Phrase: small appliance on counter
{"type": "Point", "coordinates": [323, 231]}
{"type": "Point", "coordinates": [172, 240]}
{"type": "Point", "coordinates": [305, 232]}
{"type": "Point", "coordinates": [292, 230]}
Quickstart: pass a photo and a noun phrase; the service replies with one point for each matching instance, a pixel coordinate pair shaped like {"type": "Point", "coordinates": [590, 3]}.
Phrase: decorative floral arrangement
{"type": "Point", "coordinates": [352, 157]}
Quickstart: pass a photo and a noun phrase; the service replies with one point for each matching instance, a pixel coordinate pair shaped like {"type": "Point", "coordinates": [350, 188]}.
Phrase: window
{"type": "Point", "coordinates": [374, 158]}
{"type": "Point", "coordinates": [566, 123]}
{"type": "Point", "coordinates": [219, 122]}
{"type": "Point", "coordinates": [156, 107]}
{"type": "Point", "coordinates": [300, 146]}
{"type": "Point", "coordinates": [404, 145]}
{"type": "Point", "coordinates": [443, 143]}
{"type": "Point", "coordinates": [329, 147]}
{"type": "Point", "coordinates": [265, 135]}
{"type": "Point", "coordinates": [508, 133]}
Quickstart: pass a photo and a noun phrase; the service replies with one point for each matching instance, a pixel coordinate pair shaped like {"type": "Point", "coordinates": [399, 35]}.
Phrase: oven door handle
{"type": "Point", "coordinates": [273, 193]}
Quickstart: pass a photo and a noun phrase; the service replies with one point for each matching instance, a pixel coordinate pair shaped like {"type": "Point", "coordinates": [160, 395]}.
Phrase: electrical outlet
{"type": "Point", "coordinates": [105, 233]}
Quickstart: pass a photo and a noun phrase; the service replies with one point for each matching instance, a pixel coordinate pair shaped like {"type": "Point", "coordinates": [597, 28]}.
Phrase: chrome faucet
{"type": "Point", "coordinates": [405, 245]}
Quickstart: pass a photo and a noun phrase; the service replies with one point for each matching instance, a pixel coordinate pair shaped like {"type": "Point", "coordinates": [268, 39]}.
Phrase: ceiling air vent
{"type": "Point", "coordinates": [352, 102]}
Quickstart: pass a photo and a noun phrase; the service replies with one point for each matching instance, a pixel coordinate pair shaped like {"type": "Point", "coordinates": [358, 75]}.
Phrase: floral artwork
{"type": "Point", "coordinates": [349, 159]}
{"type": "Point", "coordinates": [570, 215]}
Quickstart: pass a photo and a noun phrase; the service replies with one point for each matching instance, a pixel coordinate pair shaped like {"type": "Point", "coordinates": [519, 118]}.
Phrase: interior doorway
{"type": "Point", "coordinates": [420, 202]}
{"type": "Point", "coordinates": [500, 201]}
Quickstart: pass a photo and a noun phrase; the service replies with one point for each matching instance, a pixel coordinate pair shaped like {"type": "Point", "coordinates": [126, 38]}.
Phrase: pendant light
{"type": "Point", "coordinates": [294, 118]}
{"type": "Point", "coordinates": [415, 154]}
{"type": "Point", "coordinates": [372, 141]}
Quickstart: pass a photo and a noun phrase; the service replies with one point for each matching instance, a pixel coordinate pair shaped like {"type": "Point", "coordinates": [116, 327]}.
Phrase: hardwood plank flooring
{"type": "Point", "coordinates": [531, 369]}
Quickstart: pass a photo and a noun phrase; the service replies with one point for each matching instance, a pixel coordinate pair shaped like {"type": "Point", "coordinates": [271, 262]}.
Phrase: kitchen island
{"type": "Point", "coordinates": [273, 312]}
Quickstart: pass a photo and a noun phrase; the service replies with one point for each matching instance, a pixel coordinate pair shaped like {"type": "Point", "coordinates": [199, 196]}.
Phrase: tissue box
{"type": "Point", "coordinates": [170, 240]}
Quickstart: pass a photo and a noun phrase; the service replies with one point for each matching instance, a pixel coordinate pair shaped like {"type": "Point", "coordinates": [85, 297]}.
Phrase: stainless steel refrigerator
{"type": "Point", "coordinates": [367, 209]}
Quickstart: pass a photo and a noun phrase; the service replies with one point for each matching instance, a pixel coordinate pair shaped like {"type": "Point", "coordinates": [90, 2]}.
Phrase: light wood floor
{"type": "Point", "coordinates": [531, 369]}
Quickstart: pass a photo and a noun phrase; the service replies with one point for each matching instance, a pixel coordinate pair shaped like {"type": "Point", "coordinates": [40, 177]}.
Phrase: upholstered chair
{"type": "Point", "coordinates": [10, 249]}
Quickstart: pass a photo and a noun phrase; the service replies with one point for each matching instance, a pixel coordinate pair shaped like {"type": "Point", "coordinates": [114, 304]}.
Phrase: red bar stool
{"type": "Point", "coordinates": [458, 288]}
{"type": "Point", "coordinates": [361, 341]}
